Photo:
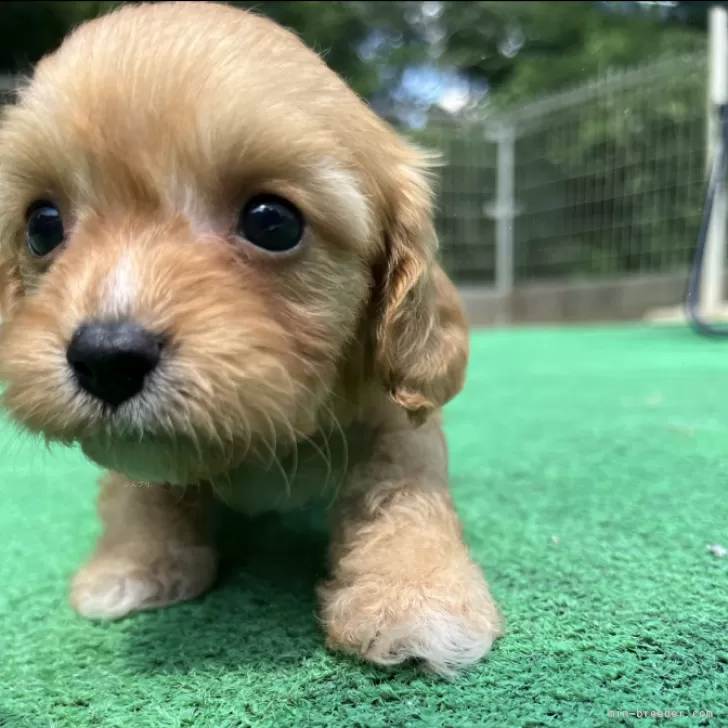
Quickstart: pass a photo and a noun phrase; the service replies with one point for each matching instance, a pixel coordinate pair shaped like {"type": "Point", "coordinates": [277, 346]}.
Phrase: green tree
{"type": "Point", "coordinates": [518, 48]}
{"type": "Point", "coordinates": [529, 48]}
{"type": "Point", "coordinates": [29, 30]}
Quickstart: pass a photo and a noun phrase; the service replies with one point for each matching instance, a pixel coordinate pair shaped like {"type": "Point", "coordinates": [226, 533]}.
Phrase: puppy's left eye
{"type": "Point", "coordinates": [43, 228]}
{"type": "Point", "coordinates": [271, 223]}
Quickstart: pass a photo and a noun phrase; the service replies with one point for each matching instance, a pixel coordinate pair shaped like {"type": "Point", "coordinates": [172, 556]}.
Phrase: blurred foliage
{"type": "Point", "coordinates": [339, 31]}
{"type": "Point", "coordinates": [29, 30]}
{"type": "Point", "coordinates": [527, 48]}
{"type": "Point", "coordinates": [517, 48]}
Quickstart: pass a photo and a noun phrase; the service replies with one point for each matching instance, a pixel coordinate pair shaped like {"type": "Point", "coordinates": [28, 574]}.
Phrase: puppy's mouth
{"type": "Point", "coordinates": [138, 420]}
{"type": "Point", "coordinates": [178, 408]}
{"type": "Point", "coordinates": [155, 460]}
{"type": "Point", "coordinates": [129, 440]}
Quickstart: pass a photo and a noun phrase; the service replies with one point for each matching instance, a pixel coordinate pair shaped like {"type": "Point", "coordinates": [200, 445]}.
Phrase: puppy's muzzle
{"type": "Point", "coordinates": [111, 360]}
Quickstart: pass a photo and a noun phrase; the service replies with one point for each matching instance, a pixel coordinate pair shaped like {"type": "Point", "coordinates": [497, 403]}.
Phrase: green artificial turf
{"type": "Point", "coordinates": [590, 467]}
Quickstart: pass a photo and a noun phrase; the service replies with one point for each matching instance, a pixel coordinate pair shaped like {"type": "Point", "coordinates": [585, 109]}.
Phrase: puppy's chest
{"type": "Point", "coordinates": [317, 470]}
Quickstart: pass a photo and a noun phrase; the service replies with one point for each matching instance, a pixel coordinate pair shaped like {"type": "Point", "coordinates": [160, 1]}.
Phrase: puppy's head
{"type": "Point", "coordinates": [204, 237]}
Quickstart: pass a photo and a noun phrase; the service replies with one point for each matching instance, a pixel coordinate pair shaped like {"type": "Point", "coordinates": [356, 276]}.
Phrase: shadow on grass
{"type": "Point", "coordinates": [261, 615]}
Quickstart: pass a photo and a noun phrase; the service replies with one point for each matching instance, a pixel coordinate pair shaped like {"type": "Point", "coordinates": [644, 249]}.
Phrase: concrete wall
{"type": "Point", "coordinates": [619, 299]}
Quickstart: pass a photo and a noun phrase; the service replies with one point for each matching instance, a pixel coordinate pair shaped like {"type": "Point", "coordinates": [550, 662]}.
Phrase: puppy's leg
{"type": "Point", "coordinates": [403, 584]}
{"type": "Point", "coordinates": [155, 550]}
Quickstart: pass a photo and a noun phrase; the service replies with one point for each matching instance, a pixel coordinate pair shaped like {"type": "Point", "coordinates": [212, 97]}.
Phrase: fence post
{"type": "Point", "coordinates": [503, 211]}
{"type": "Point", "coordinates": [714, 264]}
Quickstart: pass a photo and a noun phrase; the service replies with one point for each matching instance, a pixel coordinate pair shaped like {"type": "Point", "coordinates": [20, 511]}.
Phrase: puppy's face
{"type": "Point", "coordinates": [201, 228]}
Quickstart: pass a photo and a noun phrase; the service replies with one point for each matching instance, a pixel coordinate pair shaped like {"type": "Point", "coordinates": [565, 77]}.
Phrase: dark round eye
{"type": "Point", "coordinates": [43, 228]}
{"type": "Point", "coordinates": [271, 223]}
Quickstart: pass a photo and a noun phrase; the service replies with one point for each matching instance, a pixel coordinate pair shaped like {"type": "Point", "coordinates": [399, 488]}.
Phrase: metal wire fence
{"type": "Point", "coordinates": [604, 180]}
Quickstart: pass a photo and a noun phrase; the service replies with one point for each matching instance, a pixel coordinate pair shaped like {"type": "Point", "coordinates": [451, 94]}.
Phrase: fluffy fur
{"type": "Point", "coordinates": [286, 375]}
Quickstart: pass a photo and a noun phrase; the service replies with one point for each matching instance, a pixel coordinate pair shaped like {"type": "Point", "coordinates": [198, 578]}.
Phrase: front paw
{"type": "Point", "coordinates": [113, 585]}
{"type": "Point", "coordinates": [446, 626]}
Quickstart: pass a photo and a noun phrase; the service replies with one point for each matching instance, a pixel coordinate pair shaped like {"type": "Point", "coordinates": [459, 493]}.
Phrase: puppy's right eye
{"type": "Point", "coordinates": [271, 223]}
{"type": "Point", "coordinates": [43, 228]}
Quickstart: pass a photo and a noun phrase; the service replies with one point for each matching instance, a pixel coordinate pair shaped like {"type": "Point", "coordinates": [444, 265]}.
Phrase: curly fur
{"type": "Point", "coordinates": [285, 376]}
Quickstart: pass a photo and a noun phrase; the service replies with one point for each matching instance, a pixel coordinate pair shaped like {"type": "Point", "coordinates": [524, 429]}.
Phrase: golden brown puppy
{"type": "Point", "coordinates": [218, 270]}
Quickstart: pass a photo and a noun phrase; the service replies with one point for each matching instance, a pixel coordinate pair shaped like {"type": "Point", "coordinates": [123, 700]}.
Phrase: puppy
{"type": "Point", "coordinates": [219, 280]}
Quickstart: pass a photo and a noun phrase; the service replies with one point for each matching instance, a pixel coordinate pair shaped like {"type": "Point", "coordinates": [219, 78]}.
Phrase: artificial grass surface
{"type": "Point", "coordinates": [589, 467]}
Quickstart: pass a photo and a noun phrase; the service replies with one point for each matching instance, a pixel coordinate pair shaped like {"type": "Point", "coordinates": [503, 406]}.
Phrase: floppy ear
{"type": "Point", "coordinates": [421, 338]}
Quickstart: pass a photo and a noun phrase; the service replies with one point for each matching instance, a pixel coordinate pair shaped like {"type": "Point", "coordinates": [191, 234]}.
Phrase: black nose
{"type": "Point", "coordinates": [112, 359]}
